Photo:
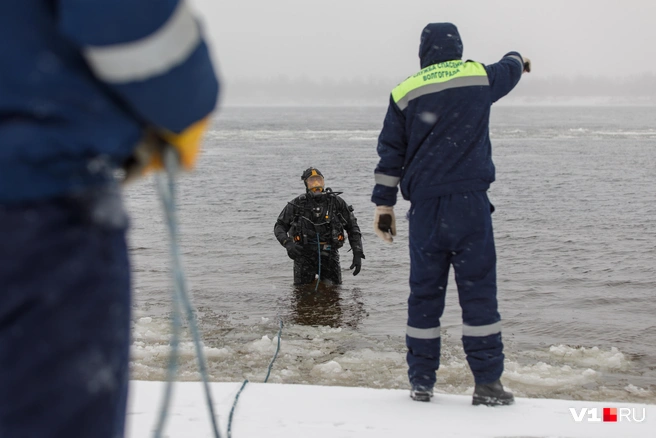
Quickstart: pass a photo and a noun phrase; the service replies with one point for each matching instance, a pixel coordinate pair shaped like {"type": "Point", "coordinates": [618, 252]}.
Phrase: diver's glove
{"type": "Point", "coordinates": [527, 65]}
{"type": "Point", "coordinates": [293, 250]}
{"type": "Point", "coordinates": [357, 262]}
{"type": "Point", "coordinates": [147, 155]}
{"type": "Point", "coordinates": [385, 223]}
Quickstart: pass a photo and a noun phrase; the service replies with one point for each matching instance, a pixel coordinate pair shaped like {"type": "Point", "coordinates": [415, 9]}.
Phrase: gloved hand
{"type": "Point", "coordinates": [357, 262]}
{"type": "Point", "coordinates": [147, 155]}
{"type": "Point", "coordinates": [186, 144]}
{"type": "Point", "coordinates": [293, 250]}
{"type": "Point", "coordinates": [385, 223]}
{"type": "Point", "coordinates": [527, 65]}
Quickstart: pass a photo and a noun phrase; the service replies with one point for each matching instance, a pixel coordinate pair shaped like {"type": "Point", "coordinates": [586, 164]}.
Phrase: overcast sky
{"type": "Point", "coordinates": [342, 38]}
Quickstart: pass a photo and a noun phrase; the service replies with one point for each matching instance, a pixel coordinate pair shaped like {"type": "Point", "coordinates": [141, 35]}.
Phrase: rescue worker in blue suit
{"type": "Point", "coordinates": [435, 143]}
{"type": "Point", "coordinates": [86, 88]}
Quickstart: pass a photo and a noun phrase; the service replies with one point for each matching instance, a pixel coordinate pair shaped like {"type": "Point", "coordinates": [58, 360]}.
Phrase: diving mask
{"type": "Point", "coordinates": [315, 184]}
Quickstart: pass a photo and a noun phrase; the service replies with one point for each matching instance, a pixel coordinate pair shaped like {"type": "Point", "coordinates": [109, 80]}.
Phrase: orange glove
{"type": "Point", "coordinates": [186, 144]}
{"type": "Point", "coordinates": [147, 155]}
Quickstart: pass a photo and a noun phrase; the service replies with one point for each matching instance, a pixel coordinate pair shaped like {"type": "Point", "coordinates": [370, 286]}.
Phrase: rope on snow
{"type": "Point", "coordinates": [234, 404]}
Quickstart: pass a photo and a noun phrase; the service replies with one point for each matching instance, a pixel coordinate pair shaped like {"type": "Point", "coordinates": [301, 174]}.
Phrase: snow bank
{"type": "Point", "coordinates": [278, 410]}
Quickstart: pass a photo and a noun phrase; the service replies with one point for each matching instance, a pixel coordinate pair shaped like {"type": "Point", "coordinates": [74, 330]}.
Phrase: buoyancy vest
{"type": "Point", "coordinates": [318, 220]}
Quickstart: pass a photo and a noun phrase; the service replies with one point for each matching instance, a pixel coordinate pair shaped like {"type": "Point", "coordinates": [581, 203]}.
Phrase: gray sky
{"type": "Point", "coordinates": [342, 38]}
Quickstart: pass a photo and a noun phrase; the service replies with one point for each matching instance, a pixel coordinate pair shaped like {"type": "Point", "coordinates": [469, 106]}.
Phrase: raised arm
{"type": "Point", "coordinates": [505, 74]}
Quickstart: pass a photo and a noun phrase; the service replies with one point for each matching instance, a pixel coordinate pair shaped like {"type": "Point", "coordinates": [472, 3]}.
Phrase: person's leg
{"type": "Point", "coordinates": [305, 270]}
{"type": "Point", "coordinates": [331, 269]}
{"type": "Point", "coordinates": [64, 318]}
{"type": "Point", "coordinates": [475, 272]}
{"type": "Point", "coordinates": [429, 271]}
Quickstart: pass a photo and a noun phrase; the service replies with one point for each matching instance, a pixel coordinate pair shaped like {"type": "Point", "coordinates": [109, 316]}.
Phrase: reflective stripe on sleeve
{"type": "Point", "coordinates": [167, 47]}
{"type": "Point", "coordinates": [428, 333]}
{"type": "Point", "coordinates": [481, 330]}
{"type": "Point", "coordinates": [386, 180]}
{"type": "Point", "coordinates": [518, 59]}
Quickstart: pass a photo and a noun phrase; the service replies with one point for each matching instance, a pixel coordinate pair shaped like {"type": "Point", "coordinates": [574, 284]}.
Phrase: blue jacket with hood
{"type": "Point", "coordinates": [435, 138]}
{"type": "Point", "coordinates": [80, 81]}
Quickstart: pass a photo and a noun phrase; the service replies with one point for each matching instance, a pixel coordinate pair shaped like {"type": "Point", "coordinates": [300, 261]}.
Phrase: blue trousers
{"type": "Point", "coordinates": [454, 230]}
{"type": "Point", "coordinates": [64, 317]}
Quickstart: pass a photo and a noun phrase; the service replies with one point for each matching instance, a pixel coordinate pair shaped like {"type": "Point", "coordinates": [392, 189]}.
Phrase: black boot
{"type": "Point", "coordinates": [492, 394]}
{"type": "Point", "coordinates": [421, 393]}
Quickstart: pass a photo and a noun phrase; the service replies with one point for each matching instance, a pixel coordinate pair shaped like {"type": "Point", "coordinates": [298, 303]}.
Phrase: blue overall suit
{"type": "Point", "coordinates": [80, 83]}
{"type": "Point", "coordinates": [435, 144]}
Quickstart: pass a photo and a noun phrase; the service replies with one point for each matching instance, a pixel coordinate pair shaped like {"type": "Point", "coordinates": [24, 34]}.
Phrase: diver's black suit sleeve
{"type": "Point", "coordinates": [351, 226]}
{"type": "Point", "coordinates": [284, 223]}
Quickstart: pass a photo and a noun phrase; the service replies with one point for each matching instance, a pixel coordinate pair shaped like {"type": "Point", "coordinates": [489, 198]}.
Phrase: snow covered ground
{"type": "Point", "coordinates": [278, 410]}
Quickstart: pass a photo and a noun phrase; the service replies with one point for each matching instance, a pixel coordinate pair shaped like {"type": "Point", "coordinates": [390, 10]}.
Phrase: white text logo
{"type": "Point", "coordinates": [609, 415]}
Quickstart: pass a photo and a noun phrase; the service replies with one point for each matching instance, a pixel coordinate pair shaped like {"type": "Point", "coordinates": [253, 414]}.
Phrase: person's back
{"type": "Point", "coordinates": [436, 131]}
{"type": "Point", "coordinates": [435, 144]}
{"type": "Point", "coordinates": [82, 83]}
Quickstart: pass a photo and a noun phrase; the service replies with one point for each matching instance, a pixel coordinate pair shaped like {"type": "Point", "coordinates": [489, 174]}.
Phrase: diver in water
{"type": "Point", "coordinates": [311, 228]}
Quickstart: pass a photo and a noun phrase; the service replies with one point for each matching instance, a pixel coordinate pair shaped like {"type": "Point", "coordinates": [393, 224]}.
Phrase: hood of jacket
{"type": "Point", "coordinates": [439, 42]}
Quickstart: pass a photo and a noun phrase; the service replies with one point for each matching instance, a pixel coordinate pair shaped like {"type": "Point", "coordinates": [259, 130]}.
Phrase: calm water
{"type": "Point", "coordinates": [575, 201]}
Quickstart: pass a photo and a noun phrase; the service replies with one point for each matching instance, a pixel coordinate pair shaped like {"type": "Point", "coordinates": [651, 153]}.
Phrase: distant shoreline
{"type": "Point", "coordinates": [520, 101]}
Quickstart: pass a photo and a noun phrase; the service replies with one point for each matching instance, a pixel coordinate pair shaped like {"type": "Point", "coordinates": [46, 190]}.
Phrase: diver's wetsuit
{"type": "Point", "coordinates": [327, 216]}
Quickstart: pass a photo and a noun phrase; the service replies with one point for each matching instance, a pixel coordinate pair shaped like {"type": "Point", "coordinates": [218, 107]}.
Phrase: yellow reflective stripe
{"type": "Point", "coordinates": [438, 77]}
{"type": "Point", "coordinates": [167, 47]}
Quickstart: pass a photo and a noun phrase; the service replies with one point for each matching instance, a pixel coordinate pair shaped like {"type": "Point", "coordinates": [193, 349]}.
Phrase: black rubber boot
{"type": "Point", "coordinates": [492, 394]}
{"type": "Point", "coordinates": [420, 393]}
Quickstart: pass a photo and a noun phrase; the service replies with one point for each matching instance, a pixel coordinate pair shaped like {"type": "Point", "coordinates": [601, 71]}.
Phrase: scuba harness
{"type": "Point", "coordinates": [317, 222]}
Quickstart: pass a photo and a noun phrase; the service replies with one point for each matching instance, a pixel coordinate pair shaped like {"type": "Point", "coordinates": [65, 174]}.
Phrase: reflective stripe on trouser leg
{"type": "Point", "coordinates": [475, 273]}
{"type": "Point", "coordinates": [429, 272]}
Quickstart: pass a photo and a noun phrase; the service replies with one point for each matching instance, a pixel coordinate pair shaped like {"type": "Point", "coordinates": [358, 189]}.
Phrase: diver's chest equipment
{"type": "Point", "coordinates": [315, 220]}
